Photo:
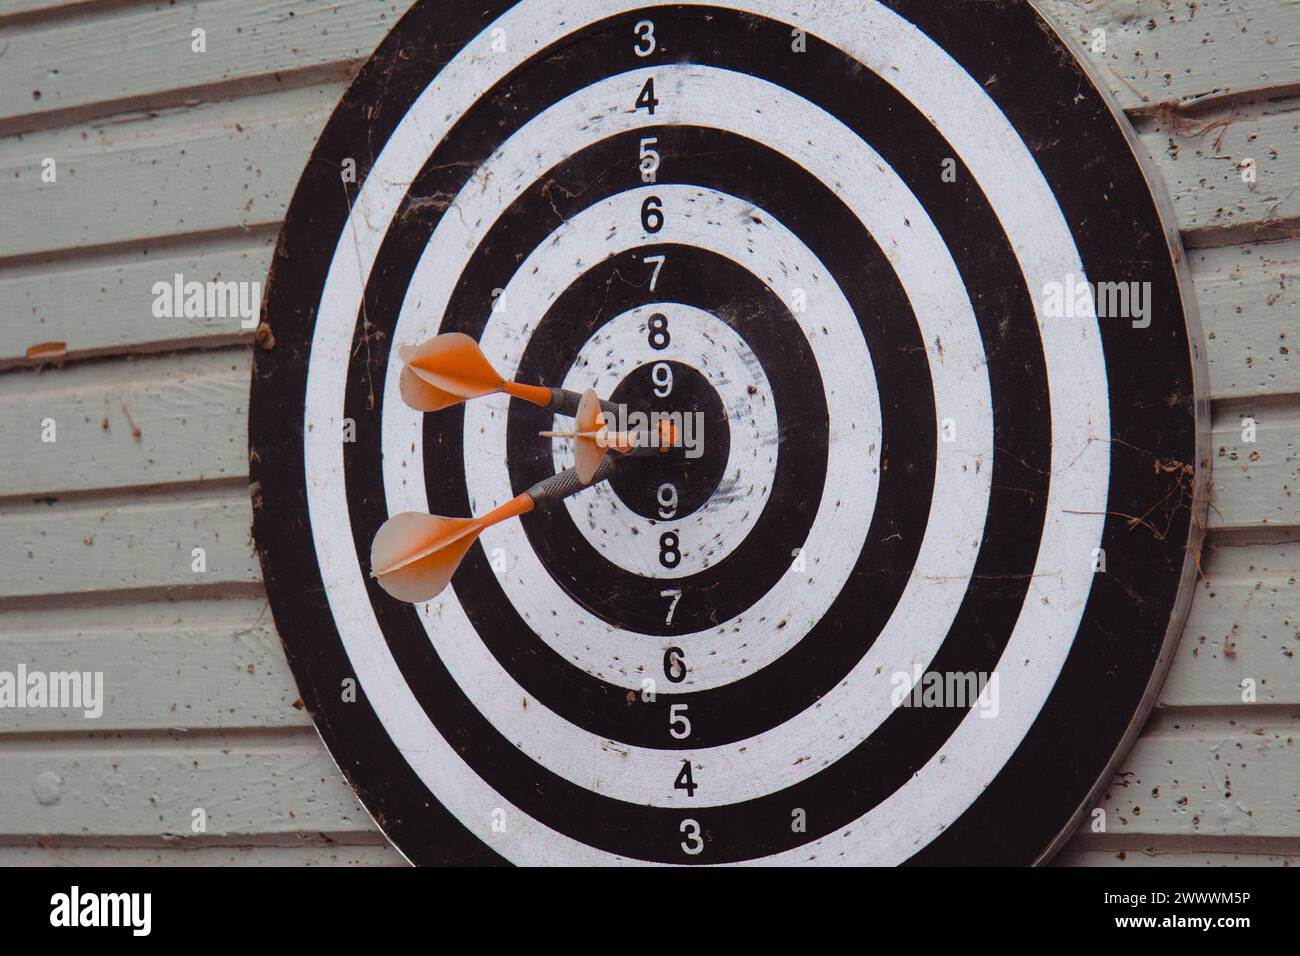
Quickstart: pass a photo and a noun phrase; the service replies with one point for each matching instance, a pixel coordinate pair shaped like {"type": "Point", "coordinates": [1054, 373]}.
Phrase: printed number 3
{"type": "Point", "coordinates": [693, 843]}
{"type": "Point", "coordinates": [645, 31]}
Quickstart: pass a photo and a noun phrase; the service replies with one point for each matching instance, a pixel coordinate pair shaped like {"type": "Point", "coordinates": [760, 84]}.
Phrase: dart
{"type": "Point", "coordinates": [414, 554]}
{"type": "Point", "coordinates": [451, 368]}
{"type": "Point", "coordinates": [592, 437]}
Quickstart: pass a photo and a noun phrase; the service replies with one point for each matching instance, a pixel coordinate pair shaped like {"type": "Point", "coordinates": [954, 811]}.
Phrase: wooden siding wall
{"type": "Point", "coordinates": [171, 161]}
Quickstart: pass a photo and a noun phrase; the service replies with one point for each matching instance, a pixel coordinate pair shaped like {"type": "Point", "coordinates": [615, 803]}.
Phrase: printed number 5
{"type": "Point", "coordinates": [679, 725]}
{"type": "Point", "coordinates": [649, 159]}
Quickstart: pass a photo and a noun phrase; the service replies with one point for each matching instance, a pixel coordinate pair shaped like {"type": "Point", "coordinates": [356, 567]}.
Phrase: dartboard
{"type": "Point", "coordinates": [890, 575]}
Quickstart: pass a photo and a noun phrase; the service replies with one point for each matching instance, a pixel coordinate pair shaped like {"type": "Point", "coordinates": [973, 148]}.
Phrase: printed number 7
{"type": "Point", "coordinates": [676, 595]}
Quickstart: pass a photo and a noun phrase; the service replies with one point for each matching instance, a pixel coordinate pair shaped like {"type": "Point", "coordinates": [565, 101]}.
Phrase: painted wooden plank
{"type": "Point", "coordinates": [56, 854]}
{"type": "Point", "coordinates": [233, 165]}
{"type": "Point", "coordinates": [95, 547]}
{"type": "Point", "coordinates": [146, 787]}
{"type": "Point", "coordinates": [201, 664]}
{"type": "Point", "coordinates": [1256, 483]}
{"type": "Point", "coordinates": [1209, 776]}
{"type": "Point", "coordinates": [150, 50]}
{"type": "Point", "coordinates": [1242, 637]}
{"type": "Point", "coordinates": [214, 167]}
{"type": "Point", "coordinates": [104, 304]}
{"type": "Point", "coordinates": [1216, 780]}
{"type": "Point", "coordinates": [1249, 299]}
{"type": "Point", "coordinates": [1236, 47]}
{"type": "Point", "coordinates": [1248, 295]}
{"type": "Point", "coordinates": [1206, 164]}
{"type": "Point", "coordinates": [139, 421]}
{"type": "Point", "coordinates": [1178, 53]}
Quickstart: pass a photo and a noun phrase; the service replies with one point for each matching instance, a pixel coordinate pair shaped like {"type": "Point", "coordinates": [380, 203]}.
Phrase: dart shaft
{"type": "Point", "coordinates": [565, 402]}
{"type": "Point", "coordinates": [516, 506]}
{"type": "Point", "coordinates": [566, 483]}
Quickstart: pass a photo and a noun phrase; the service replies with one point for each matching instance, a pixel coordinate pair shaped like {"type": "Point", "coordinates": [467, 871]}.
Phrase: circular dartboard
{"type": "Point", "coordinates": [902, 588]}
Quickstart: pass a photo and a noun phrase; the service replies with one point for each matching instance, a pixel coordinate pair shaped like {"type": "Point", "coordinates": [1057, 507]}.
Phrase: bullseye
{"type": "Point", "coordinates": [697, 465]}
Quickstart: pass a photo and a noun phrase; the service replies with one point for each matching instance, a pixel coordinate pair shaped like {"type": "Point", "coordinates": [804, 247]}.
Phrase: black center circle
{"type": "Point", "coordinates": [675, 482]}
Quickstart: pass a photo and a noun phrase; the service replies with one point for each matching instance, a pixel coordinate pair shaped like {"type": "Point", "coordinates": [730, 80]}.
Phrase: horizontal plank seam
{"type": "Point", "coordinates": [79, 600]}
{"type": "Point", "coordinates": [1247, 716]}
{"type": "Point", "coordinates": [76, 10]}
{"type": "Point", "coordinates": [256, 84]}
{"type": "Point", "coordinates": [341, 839]}
{"type": "Point", "coordinates": [159, 346]}
{"type": "Point", "coordinates": [1161, 844]}
{"type": "Point", "coordinates": [1243, 233]}
{"type": "Point", "coordinates": [264, 739]}
{"type": "Point", "coordinates": [1261, 722]}
{"type": "Point", "coordinates": [170, 244]}
{"type": "Point", "coordinates": [202, 489]}
{"type": "Point", "coordinates": [1247, 537]}
{"type": "Point", "coordinates": [181, 740]}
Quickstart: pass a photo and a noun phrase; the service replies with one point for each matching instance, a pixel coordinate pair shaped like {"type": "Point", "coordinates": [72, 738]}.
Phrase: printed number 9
{"type": "Point", "coordinates": [662, 376]}
{"type": "Point", "coordinates": [667, 497]}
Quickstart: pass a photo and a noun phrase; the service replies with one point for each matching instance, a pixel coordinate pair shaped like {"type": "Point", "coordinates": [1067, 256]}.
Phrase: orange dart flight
{"type": "Point", "coordinates": [414, 555]}
{"type": "Point", "coordinates": [592, 437]}
{"type": "Point", "coordinates": [451, 368]}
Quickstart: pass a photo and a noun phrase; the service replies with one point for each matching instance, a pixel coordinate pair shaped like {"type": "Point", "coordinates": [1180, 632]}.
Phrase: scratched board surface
{"type": "Point", "coordinates": [201, 711]}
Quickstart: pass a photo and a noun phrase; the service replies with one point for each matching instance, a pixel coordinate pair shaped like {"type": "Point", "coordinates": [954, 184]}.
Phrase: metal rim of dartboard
{"type": "Point", "coordinates": [943, 468]}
